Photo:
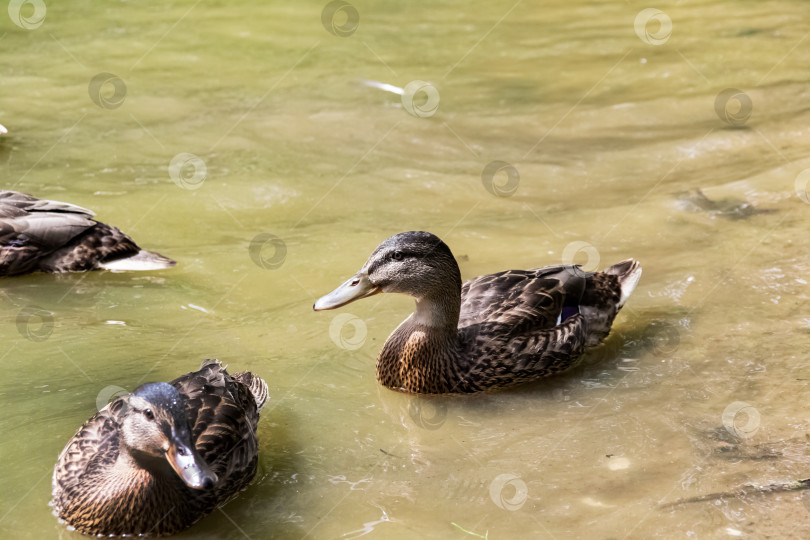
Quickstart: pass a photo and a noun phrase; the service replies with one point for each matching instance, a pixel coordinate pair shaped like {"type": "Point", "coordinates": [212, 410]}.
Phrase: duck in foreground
{"type": "Point", "coordinates": [157, 460]}
{"type": "Point", "coordinates": [52, 236]}
{"type": "Point", "coordinates": [491, 332]}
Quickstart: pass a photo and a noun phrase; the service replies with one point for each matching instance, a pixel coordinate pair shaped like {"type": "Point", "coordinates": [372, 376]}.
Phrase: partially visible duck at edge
{"type": "Point", "coordinates": [52, 236]}
{"type": "Point", "coordinates": [157, 460]}
{"type": "Point", "coordinates": [491, 332]}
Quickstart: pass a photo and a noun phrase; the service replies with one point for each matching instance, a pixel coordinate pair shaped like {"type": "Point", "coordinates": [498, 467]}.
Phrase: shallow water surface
{"type": "Point", "coordinates": [607, 129]}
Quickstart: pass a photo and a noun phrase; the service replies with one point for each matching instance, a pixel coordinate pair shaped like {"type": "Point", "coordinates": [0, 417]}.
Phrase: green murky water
{"type": "Point", "coordinates": [606, 128]}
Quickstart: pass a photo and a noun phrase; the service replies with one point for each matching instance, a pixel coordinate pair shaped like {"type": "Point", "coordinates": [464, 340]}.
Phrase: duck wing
{"type": "Point", "coordinates": [95, 446]}
{"type": "Point", "coordinates": [9, 200]}
{"type": "Point", "coordinates": [518, 301]}
{"type": "Point", "coordinates": [32, 228]}
{"type": "Point", "coordinates": [519, 325]}
{"type": "Point", "coordinates": [223, 416]}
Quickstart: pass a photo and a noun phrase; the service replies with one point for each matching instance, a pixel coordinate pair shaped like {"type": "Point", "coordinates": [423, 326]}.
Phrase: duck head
{"type": "Point", "coordinates": [416, 263]}
{"type": "Point", "coordinates": [155, 425]}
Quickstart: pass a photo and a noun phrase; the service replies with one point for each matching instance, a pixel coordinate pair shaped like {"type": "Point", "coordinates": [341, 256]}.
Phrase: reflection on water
{"type": "Point", "coordinates": [242, 141]}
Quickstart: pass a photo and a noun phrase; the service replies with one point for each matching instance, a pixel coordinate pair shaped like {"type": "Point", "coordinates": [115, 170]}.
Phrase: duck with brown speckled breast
{"type": "Point", "coordinates": [491, 332]}
{"type": "Point", "coordinates": [157, 460]}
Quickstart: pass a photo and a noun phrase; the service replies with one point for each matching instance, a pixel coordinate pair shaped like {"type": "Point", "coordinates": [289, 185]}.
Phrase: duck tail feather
{"type": "Point", "coordinates": [629, 273]}
{"type": "Point", "coordinates": [143, 260]}
{"type": "Point", "coordinates": [210, 362]}
{"type": "Point", "coordinates": [256, 385]}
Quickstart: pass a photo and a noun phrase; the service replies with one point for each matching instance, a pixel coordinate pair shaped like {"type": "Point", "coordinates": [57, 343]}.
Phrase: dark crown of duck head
{"type": "Point", "coordinates": [163, 431]}
{"type": "Point", "coordinates": [163, 396]}
{"type": "Point", "coordinates": [414, 262]}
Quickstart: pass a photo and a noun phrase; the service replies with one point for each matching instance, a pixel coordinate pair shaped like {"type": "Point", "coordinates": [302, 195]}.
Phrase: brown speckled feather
{"type": "Point", "coordinates": [94, 445]}
{"type": "Point", "coordinates": [223, 414]}
{"type": "Point", "coordinates": [97, 495]}
{"type": "Point", "coordinates": [520, 300]}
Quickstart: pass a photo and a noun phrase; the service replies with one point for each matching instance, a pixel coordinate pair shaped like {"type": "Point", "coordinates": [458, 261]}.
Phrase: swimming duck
{"type": "Point", "coordinates": [159, 459]}
{"type": "Point", "coordinates": [52, 236]}
{"type": "Point", "coordinates": [493, 331]}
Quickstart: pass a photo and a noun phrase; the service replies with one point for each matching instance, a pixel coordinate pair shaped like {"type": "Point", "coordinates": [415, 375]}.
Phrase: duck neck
{"type": "Point", "coordinates": [438, 307]}
{"type": "Point", "coordinates": [136, 470]}
{"type": "Point", "coordinates": [439, 313]}
{"type": "Point", "coordinates": [421, 354]}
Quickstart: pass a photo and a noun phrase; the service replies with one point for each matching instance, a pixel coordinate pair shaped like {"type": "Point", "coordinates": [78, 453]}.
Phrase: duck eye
{"type": "Point", "coordinates": [397, 256]}
{"type": "Point", "coordinates": [149, 414]}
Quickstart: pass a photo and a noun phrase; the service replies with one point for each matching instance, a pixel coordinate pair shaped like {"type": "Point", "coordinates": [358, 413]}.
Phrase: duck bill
{"type": "Point", "coordinates": [189, 466]}
{"type": "Point", "coordinates": [352, 289]}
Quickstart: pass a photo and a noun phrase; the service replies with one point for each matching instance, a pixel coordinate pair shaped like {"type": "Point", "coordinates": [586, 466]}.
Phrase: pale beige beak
{"type": "Point", "coordinates": [353, 289]}
{"type": "Point", "coordinates": [189, 466]}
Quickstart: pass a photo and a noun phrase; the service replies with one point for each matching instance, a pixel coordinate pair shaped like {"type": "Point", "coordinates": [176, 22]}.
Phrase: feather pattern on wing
{"type": "Point", "coordinates": [521, 299]}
